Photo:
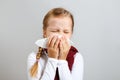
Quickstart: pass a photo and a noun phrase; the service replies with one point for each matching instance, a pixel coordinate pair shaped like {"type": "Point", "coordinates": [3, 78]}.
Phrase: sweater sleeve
{"type": "Point", "coordinates": [50, 69]}
{"type": "Point", "coordinates": [77, 69]}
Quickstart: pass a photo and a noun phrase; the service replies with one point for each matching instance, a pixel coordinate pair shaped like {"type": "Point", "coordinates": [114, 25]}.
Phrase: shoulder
{"type": "Point", "coordinates": [78, 54]}
{"type": "Point", "coordinates": [32, 55]}
{"type": "Point", "coordinates": [78, 57]}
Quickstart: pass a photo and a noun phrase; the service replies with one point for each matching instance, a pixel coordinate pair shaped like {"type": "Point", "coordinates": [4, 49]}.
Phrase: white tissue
{"type": "Point", "coordinates": [42, 42]}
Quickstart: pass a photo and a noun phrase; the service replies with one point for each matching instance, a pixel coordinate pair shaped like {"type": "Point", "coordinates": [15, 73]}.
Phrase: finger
{"type": "Point", "coordinates": [66, 45]}
{"type": "Point", "coordinates": [53, 41]}
{"type": "Point", "coordinates": [63, 42]}
{"type": "Point", "coordinates": [49, 41]}
{"type": "Point", "coordinates": [67, 41]}
{"type": "Point", "coordinates": [57, 43]}
{"type": "Point", "coordinates": [61, 46]}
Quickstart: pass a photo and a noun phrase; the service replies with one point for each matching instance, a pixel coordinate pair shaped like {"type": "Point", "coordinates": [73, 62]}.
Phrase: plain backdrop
{"type": "Point", "coordinates": [96, 35]}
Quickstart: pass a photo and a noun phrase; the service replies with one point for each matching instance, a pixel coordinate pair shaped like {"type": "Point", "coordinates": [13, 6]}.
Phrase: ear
{"type": "Point", "coordinates": [44, 34]}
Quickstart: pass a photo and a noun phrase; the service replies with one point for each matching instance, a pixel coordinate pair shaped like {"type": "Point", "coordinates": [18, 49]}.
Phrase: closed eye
{"type": "Point", "coordinates": [66, 32]}
{"type": "Point", "coordinates": [54, 31]}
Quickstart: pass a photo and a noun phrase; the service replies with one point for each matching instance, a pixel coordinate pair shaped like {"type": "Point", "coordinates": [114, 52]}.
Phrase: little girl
{"type": "Point", "coordinates": [59, 60]}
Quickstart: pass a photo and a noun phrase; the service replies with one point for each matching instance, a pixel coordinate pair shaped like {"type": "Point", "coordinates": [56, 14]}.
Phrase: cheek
{"type": "Point", "coordinates": [68, 36]}
{"type": "Point", "coordinates": [48, 34]}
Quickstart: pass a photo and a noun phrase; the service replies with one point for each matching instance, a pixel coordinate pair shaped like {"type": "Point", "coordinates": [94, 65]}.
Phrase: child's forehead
{"type": "Point", "coordinates": [57, 27]}
{"type": "Point", "coordinates": [61, 21]}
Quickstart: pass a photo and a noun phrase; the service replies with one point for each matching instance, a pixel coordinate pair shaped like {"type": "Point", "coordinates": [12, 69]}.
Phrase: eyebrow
{"type": "Point", "coordinates": [50, 28]}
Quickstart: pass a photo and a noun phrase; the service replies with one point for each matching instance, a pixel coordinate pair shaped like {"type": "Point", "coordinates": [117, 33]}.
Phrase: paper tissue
{"type": "Point", "coordinates": [42, 42]}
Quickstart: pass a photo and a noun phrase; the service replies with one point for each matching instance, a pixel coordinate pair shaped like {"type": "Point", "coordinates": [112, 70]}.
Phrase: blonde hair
{"type": "Point", "coordinates": [56, 12]}
{"type": "Point", "coordinates": [34, 68]}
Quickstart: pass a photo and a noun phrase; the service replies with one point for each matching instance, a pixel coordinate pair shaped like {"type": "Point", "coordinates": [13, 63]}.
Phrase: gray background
{"type": "Point", "coordinates": [96, 35]}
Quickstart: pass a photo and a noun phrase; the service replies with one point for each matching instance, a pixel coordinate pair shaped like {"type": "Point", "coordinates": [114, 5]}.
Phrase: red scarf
{"type": "Point", "coordinates": [70, 60]}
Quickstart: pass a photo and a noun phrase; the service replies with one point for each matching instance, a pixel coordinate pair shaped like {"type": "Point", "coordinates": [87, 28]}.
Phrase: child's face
{"type": "Point", "coordinates": [60, 26]}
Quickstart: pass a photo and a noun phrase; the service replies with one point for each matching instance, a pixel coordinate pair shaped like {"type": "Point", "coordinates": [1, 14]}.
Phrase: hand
{"type": "Point", "coordinates": [64, 48]}
{"type": "Point", "coordinates": [52, 46]}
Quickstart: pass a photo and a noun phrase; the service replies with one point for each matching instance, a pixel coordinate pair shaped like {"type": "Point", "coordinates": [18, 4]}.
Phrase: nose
{"type": "Point", "coordinates": [61, 33]}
